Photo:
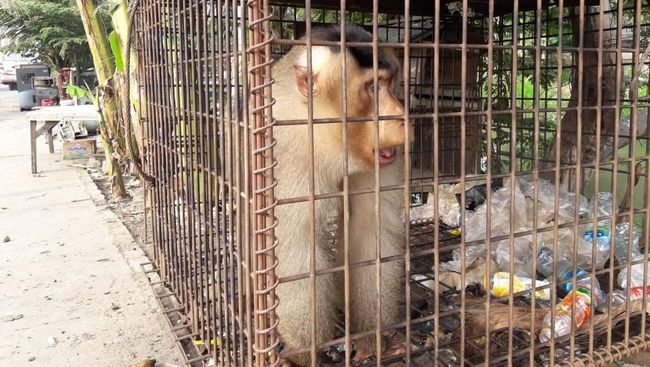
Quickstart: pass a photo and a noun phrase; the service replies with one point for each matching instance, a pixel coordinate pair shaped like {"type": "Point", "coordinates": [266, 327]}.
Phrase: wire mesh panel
{"type": "Point", "coordinates": [197, 58]}
{"type": "Point", "coordinates": [450, 183]}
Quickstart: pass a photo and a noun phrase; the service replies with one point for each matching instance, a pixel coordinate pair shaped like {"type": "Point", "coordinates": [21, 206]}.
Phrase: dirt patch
{"type": "Point", "coordinates": [130, 210]}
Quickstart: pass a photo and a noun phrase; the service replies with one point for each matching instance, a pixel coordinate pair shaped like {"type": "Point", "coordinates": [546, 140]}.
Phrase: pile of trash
{"type": "Point", "coordinates": [514, 211]}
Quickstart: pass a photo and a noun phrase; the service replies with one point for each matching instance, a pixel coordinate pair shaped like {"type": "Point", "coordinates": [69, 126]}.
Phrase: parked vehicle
{"type": "Point", "coordinates": [8, 76]}
{"type": "Point", "coordinates": [8, 69]}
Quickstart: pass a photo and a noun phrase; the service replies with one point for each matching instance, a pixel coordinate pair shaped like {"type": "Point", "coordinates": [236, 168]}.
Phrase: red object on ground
{"type": "Point", "coordinates": [48, 102]}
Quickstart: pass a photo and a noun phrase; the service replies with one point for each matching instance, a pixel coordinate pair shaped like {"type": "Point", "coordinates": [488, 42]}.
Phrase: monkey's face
{"type": "Point", "coordinates": [369, 97]}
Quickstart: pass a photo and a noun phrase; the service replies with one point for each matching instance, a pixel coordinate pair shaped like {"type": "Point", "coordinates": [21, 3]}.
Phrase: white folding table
{"type": "Point", "coordinates": [50, 117]}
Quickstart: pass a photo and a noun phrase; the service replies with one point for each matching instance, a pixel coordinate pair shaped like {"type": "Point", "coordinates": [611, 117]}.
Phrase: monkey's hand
{"type": "Point", "coordinates": [393, 346]}
{"type": "Point", "coordinates": [285, 363]}
{"type": "Point", "coordinates": [364, 350]}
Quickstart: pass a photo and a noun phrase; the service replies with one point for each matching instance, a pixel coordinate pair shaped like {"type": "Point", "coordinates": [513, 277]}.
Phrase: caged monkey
{"type": "Point", "coordinates": [293, 153]}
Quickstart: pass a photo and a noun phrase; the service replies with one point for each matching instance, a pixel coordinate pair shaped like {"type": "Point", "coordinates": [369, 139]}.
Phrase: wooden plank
{"type": "Point", "coordinates": [32, 135]}
{"type": "Point", "coordinates": [60, 113]}
{"type": "Point", "coordinates": [47, 126]}
{"type": "Point", "coordinates": [50, 140]}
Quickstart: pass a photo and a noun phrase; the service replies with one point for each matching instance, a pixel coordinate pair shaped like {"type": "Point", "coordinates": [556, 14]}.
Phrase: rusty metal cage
{"type": "Point", "coordinates": [526, 165]}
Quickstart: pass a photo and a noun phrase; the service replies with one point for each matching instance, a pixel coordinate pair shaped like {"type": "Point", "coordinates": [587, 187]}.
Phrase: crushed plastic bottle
{"type": "Point", "coordinates": [582, 305]}
{"type": "Point", "coordinates": [566, 275]}
{"type": "Point", "coordinates": [605, 204]}
{"type": "Point", "coordinates": [500, 285]}
{"type": "Point", "coordinates": [545, 261]}
{"type": "Point", "coordinates": [636, 276]}
{"type": "Point", "coordinates": [602, 243]}
{"type": "Point", "coordinates": [546, 198]}
{"type": "Point", "coordinates": [619, 296]}
{"type": "Point", "coordinates": [622, 241]}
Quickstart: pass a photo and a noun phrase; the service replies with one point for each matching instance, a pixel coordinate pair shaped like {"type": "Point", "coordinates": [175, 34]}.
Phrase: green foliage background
{"type": "Point", "coordinates": [50, 30]}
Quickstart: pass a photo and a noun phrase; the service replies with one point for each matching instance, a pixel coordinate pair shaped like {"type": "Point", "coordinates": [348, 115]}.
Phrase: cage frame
{"type": "Point", "coordinates": [256, 229]}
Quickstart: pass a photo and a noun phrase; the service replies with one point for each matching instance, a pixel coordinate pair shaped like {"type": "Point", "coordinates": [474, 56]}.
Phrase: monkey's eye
{"type": "Point", "coordinates": [371, 87]}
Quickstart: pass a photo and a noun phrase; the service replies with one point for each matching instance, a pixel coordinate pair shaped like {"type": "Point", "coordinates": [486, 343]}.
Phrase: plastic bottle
{"type": "Point", "coordinates": [582, 305]}
{"type": "Point", "coordinates": [545, 261]}
{"type": "Point", "coordinates": [636, 276]}
{"type": "Point", "coordinates": [622, 241]}
{"type": "Point", "coordinates": [618, 296]}
{"type": "Point", "coordinates": [566, 274]}
{"type": "Point", "coordinates": [602, 243]}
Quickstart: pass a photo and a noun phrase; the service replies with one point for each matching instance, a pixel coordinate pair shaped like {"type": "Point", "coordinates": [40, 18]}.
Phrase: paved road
{"type": "Point", "coordinates": [71, 289]}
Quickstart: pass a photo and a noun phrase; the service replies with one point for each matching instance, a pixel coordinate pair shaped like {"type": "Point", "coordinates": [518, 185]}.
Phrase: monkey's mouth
{"type": "Point", "coordinates": [387, 155]}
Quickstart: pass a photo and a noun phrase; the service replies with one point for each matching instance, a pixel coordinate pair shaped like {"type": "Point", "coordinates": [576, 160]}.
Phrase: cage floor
{"type": "Point", "coordinates": [438, 325]}
{"type": "Point", "coordinates": [495, 346]}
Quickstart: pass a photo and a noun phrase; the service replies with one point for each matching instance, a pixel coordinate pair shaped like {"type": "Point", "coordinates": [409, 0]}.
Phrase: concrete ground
{"type": "Point", "coordinates": [72, 292]}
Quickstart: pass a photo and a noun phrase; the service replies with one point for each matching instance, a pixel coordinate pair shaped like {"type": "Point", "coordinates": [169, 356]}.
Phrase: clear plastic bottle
{"type": "Point", "coordinates": [622, 246]}
{"type": "Point", "coordinates": [582, 305]}
{"type": "Point", "coordinates": [636, 274]}
{"type": "Point", "coordinates": [622, 241]}
{"type": "Point", "coordinates": [601, 243]}
{"type": "Point", "coordinates": [618, 296]}
{"type": "Point", "coordinates": [545, 261]}
{"type": "Point", "coordinates": [566, 275]}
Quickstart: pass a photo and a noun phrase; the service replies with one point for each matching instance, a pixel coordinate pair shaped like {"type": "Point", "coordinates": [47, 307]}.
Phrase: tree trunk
{"type": "Point", "coordinates": [591, 84]}
{"type": "Point", "coordinates": [105, 68]}
{"type": "Point", "coordinates": [120, 18]}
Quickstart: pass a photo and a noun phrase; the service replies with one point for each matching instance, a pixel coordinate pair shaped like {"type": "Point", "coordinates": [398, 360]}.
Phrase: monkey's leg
{"type": "Point", "coordinates": [295, 308]}
{"type": "Point", "coordinates": [364, 298]}
{"type": "Point", "coordinates": [294, 312]}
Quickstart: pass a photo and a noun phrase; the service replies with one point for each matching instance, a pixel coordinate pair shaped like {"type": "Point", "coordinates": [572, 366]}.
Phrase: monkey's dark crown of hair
{"type": "Point", "coordinates": [353, 33]}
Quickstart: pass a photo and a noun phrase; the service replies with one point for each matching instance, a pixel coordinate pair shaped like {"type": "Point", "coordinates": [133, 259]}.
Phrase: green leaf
{"type": "Point", "coordinates": [112, 8]}
{"type": "Point", "coordinates": [75, 91]}
{"type": "Point", "coordinates": [117, 52]}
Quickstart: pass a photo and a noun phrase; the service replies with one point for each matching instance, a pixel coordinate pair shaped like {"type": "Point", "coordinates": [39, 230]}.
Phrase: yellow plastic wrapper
{"type": "Point", "coordinates": [500, 285]}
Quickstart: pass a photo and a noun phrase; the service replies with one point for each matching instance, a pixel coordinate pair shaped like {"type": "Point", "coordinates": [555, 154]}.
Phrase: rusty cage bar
{"type": "Point", "coordinates": [523, 202]}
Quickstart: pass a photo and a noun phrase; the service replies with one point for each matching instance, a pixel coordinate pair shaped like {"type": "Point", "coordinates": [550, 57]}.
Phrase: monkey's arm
{"type": "Point", "coordinates": [364, 234]}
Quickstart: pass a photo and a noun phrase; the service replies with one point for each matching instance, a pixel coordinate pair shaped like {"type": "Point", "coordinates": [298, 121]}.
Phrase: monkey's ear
{"type": "Point", "coordinates": [301, 80]}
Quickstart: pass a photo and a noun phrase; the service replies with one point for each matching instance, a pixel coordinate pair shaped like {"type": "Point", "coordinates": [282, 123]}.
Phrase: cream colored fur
{"type": "Point", "coordinates": [293, 230]}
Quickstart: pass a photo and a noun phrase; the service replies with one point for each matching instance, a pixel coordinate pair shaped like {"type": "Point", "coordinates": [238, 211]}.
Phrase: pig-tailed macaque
{"type": "Point", "coordinates": [294, 232]}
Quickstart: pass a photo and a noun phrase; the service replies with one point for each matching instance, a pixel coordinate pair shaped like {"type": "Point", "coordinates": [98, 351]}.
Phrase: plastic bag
{"type": "Point", "coordinates": [422, 212]}
{"type": "Point", "coordinates": [449, 200]}
{"type": "Point", "coordinates": [636, 276]}
{"type": "Point", "coordinates": [448, 207]}
{"type": "Point", "coordinates": [476, 195]}
{"type": "Point", "coordinates": [546, 201]}
{"type": "Point", "coordinates": [522, 261]}
{"type": "Point", "coordinates": [475, 222]}
{"type": "Point", "coordinates": [605, 204]}
{"type": "Point", "coordinates": [565, 241]}
{"type": "Point", "coordinates": [546, 260]}
{"type": "Point", "coordinates": [475, 271]}
{"type": "Point", "coordinates": [472, 252]}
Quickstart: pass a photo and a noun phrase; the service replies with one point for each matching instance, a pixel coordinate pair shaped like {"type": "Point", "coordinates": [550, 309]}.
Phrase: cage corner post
{"type": "Point", "coordinates": [263, 200]}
